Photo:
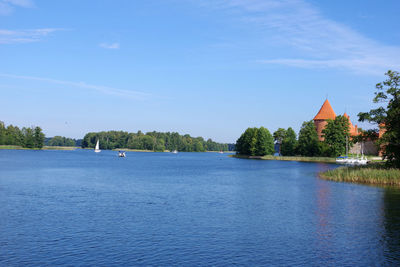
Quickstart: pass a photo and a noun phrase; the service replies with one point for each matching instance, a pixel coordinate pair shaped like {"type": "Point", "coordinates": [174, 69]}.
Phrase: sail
{"type": "Point", "coordinates": [97, 148]}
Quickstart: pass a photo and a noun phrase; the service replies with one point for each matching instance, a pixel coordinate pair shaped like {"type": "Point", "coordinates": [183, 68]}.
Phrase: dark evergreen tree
{"type": "Point", "coordinates": [38, 137]}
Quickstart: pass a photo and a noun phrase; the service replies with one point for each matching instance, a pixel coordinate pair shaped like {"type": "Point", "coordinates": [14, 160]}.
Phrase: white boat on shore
{"type": "Point", "coordinates": [97, 148]}
{"type": "Point", "coordinates": [353, 161]}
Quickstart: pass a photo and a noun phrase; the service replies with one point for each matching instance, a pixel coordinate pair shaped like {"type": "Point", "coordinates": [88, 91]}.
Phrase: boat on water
{"type": "Point", "coordinates": [121, 154]}
{"type": "Point", "coordinates": [353, 161]}
{"type": "Point", "coordinates": [221, 152]}
{"type": "Point", "coordinates": [175, 152]}
{"type": "Point", "coordinates": [97, 148]}
{"type": "Point", "coordinates": [342, 160]}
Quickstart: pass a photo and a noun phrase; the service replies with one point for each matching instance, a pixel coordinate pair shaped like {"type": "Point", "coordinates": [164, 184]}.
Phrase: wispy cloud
{"type": "Point", "coordinates": [7, 6]}
{"type": "Point", "coordinates": [24, 36]}
{"type": "Point", "coordinates": [98, 88]}
{"type": "Point", "coordinates": [109, 46]}
{"type": "Point", "coordinates": [320, 41]}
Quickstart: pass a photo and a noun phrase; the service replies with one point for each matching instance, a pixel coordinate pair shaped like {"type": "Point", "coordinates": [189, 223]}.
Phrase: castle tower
{"type": "Point", "coordinates": [320, 120]}
{"type": "Point", "coordinates": [353, 128]}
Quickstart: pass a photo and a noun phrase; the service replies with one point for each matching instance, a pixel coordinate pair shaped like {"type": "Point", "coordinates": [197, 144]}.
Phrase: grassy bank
{"type": "Point", "coordinates": [287, 158]}
{"type": "Point", "coordinates": [370, 174]}
{"type": "Point", "coordinates": [11, 147]}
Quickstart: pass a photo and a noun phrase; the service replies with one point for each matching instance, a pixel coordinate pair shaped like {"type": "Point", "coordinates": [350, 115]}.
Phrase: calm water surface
{"type": "Point", "coordinates": [81, 208]}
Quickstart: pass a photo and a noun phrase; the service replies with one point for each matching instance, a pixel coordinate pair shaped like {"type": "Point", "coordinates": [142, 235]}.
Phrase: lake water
{"type": "Point", "coordinates": [81, 208]}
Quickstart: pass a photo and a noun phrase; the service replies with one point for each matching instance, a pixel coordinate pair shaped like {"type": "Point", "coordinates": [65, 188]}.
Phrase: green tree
{"type": "Point", "coordinates": [308, 140]}
{"type": "Point", "coordinates": [29, 140]}
{"type": "Point", "coordinates": [387, 115]}
{"type": "Point", "coordinates": [2, 133]}
{"type": "Point", "coordinates": [289, 143]}
{"type": "Point", "coordinates": [279, 135]}
{"type": "Point", "coordinates": [14, 136]}
{"type": "Point", "coordinates": [264, 142]}
{"type": "Point", "coordinates": [246, 144]}
{"type": "Point", "coordinates": [38, 137]}
{"type": "Point", "coordinates": [61, 141]}
{"type": "Point", "coordinates": [335, 134]}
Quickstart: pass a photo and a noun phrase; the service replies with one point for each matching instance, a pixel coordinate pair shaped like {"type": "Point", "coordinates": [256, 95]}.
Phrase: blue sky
{"type": "Point", "coordinates": [208, 68]}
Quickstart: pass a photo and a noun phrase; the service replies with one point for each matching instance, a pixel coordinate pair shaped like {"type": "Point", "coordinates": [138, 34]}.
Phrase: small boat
{"type": "Point", "coordinates": [221, 152]}
{"type": "Point", "coordinates": [121, 154]}
{"type": "Point", "coordinates": [175, 151]}
{"type": "Point", "coordinates": [97, 148]}
{"type": "Point", "coordinates": [341, 160]}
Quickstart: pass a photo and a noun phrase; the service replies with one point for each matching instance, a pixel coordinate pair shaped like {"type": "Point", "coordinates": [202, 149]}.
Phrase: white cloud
{"type": "Point", "coordinates": [109, 46]}
{"type": "Point", "coordinates": [320, 42]}
{"type": "Point", "coordinates": [24, 36]}
{"type": "Point", "coordinates": [21, 3]}
{"type": "Point", "coordinates": [83, 85]}
{"type": "Point", "coordinates": [7, 6]}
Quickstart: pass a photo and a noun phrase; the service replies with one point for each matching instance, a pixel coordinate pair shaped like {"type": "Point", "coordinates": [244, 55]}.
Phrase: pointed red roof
{"type": "Point", "coordinates": [347, 116]}
{"type": "Point", "coordinates": [326, 112]}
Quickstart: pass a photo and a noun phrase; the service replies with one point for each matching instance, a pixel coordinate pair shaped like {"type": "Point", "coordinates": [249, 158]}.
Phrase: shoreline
{"type": "Point", "coordinates": [13, 147]}
{"type": "Point", "coordinates": [288, 158]}
{"type": "Point", "coordinates": [373, 174]}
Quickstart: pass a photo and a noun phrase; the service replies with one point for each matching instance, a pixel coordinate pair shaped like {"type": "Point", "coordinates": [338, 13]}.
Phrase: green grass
{"type": "Point", "coordinates": [370, 174]}
{"type": "Point", "coordinates": [11, 147]}
{"type": "Point", "coordinates": [289, 158]}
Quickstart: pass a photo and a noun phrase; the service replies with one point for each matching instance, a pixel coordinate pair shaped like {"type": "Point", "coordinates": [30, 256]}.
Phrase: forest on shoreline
{"type": "Point", "coordinates": [152, 141]}
{"type": "Point", "coordinates": [34, 138]}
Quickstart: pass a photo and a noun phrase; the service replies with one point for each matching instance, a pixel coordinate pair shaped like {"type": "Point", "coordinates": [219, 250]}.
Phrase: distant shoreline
{"type": "Point", "coordinates": [12, 147]}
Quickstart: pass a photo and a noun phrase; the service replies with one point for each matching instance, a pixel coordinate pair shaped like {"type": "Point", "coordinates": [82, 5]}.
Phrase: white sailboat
{"type": "Point", "coordinates": [363, 160]}
{"type": "Point", "coordinates": [97, 148]}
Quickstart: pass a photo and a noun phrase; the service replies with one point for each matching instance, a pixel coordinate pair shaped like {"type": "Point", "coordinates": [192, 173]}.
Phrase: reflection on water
{"type": "Point", "coordinates": [324, 230]}
{"type": "Point", "coordinates": [391, 238]}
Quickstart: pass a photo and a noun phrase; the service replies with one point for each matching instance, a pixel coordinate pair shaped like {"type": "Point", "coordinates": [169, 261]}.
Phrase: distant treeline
{"type": "Point", "coordinates": [28, 137]}
{"type": "Point", "coordinates": [154, 141]}
{"type": "Point", "coordinates": [62, 141]}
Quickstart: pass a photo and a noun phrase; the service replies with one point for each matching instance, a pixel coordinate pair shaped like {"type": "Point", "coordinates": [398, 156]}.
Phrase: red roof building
{"type": "Point", "coordinates": [326, 113]}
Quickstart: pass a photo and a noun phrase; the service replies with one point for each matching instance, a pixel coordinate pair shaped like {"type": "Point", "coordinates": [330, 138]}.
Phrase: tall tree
{"type": "Point", "coordinates": [335, 134]}
{"type": "Point", "coordinates": [264, 142]}
{"type": "Point", "coordinates": [289, 143]}
{"type": "Point", "coordinates": [388, 116]}
{"type": "Point", "coordinates": [308, 140]}
{"type": "Point", "coordinates": [38, 137]}
{"type": "Point", "coordinates": [29, 140]}
{"type": "Point", "coordinates": [279, 135]}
